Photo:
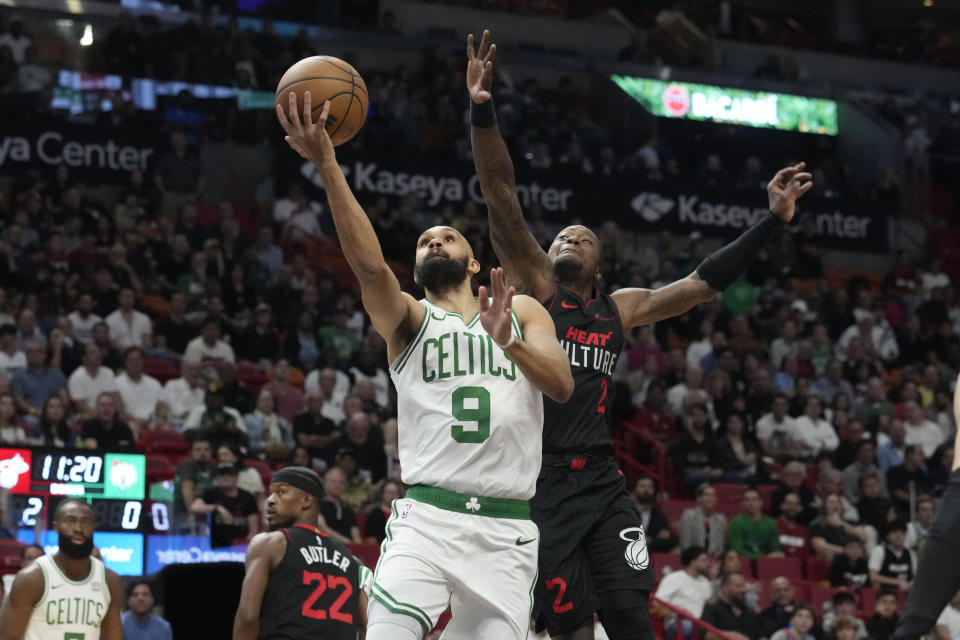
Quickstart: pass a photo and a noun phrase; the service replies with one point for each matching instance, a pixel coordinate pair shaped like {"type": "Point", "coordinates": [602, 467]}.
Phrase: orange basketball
{"type": "Point", "coordinates": [328, 78]}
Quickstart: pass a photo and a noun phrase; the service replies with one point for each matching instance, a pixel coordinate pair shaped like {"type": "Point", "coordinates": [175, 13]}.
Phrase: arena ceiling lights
{"type": "Point", "coordinates": [734, 106]}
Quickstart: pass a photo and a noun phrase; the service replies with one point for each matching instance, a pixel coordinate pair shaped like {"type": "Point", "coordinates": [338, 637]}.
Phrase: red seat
{"type": "Point", "coordinates": [163, 441]}
{"type": "Point", "coordinates": [663, 561]}
{"type": "Point", "coordinates": [868, 600]}
{"type": "Point", "coordinates": [266, 473]}
{"type": "Point", "coordinates": [747, 568]}
{"type": "Point", "coordinates": [251, 376]}
{"type": "Point", "coordinates": [770, 568]}
{"type": "Point", "coordinates": [368, 553]}
{"type": "Point", "coordinates": [729, 493]}
{"type": "Point", "coordinates": [766, 492]}
{"type": "Point", "coordinates": [162, 370]}
{"type": "Point", "coordinates": [730, 510]}
{"type": "Point", "coordinates": [672, 510]}
{"type": "Point", "coordinates": [818, 569]}
{"type": "Point", "coordinates": [159, 468]}
{"type": "Point", "coordinates": [361, 523]}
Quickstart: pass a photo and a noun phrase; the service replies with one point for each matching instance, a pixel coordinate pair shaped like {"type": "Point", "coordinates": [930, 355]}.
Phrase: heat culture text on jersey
{"type": "Point", "coordinates": [588, 349]}
{"type": "Point", "coordinates": [455, 354]}
{"type": "Point", "coordinates": [315, 554]}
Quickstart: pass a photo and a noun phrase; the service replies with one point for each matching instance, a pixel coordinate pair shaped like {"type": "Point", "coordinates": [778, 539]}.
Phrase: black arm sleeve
{"type": "Point", "coordinates": [721, 268]}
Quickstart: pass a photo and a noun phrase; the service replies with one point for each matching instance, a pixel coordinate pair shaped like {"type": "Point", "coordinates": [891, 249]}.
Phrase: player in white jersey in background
{"type": "Point", "coordinates": [469, 374]}
{"type": "Point", "coordinates": [68, 595]}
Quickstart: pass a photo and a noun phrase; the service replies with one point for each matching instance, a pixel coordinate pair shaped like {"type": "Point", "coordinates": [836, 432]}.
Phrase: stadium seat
{"type": "Point", "coordinates": [251, 376]}
{"type": "Point", "coordinates": [159, 468]}
{"type": "Point", "coordinates": [770, 568]}
{"type": "Point", "coordinates": [673, 509]}
{"type": "Point", "coordinates": [868, 600]}
{"type": "Point", "coordinates": [262, 468]}
{"type": "Point", "coordinates": [166, 441]}
{"type": "Point", "coordinates": [766, 492]}
{"type": "Point", "coordinates": [662, 561]}
{"type": "Point", "coordinates": [820, 595]}
{"type": "Point", "coordinates": [368, 553]}
{"type": "Point", "coordinates": [818, 569]}
{"type": "Point", "coordinates": [729, 492]}
{"type": "Point", "coordinates": [747, 568]}
{"type": "Point", "coordinates": [362, 523]}
{"type": "Point", "coordinates": [162, 370]}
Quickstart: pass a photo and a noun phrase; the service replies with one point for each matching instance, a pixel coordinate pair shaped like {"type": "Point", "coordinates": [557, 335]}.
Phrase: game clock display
{"type": "Point", "coordinates": [77, 473]}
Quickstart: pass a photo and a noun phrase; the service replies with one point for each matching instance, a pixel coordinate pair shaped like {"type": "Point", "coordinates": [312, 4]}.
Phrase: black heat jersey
{"type": "Point", "coordinates": [591, 333]}
{"type": "Point", "coordinates": [313, 592]}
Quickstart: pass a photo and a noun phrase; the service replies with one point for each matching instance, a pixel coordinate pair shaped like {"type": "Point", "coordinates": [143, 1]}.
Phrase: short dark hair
{"type": "Point", "coordinates": [690, 554]}
{"type": "Point", "coordinates": [895, 525]}
{"type": "Point", "coordinates": [841, 597]}
{"type": "Point", "coordinates": [69, 501]}
{"type": "Point", "coordinates": [743, 494]}
{"type": "Point", "coordinates": [645, 476]}
{"type": "Point", "coordinates": [210, 319]}
{"type": "Point", "coordinates": [23, 552]}
{"type": "Point", "coordinates": [702, 488]}
{"type": "Point", "coordinates": [888, 590]}
{"type": "Point", "coordinates": [8, 330]}
{"type": "Point", "coordinates": [726, 577]}
{"type": "Point", "coordinates": [136, 583]}
{"type": "Point", "coordinates": [804, 606]}
{"type": "Point", "coordinates": [129, 350]}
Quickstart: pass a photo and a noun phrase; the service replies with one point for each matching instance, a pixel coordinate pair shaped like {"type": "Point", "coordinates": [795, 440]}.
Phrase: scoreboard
{"type": "Point", "coordinates": [113, 483]}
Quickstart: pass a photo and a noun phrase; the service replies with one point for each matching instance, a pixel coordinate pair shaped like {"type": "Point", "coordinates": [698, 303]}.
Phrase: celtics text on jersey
{"type": "Point", "coordinates": [69, 609]}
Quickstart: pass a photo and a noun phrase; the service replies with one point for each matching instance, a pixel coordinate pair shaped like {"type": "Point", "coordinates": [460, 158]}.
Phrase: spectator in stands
{"type": "Point", "coordinates": [874, 404]}
{"type": "Point", "coordinates": [177, 176]}
{"type": "Point", "coordinates": [832, 383]}
{"type": "Point", "coordinates": [830, 483]}
{"type": "Point", "coordinates": [176, 330]}
{"type": "Point", "coordinates": [919, 430]}
{"type": "Point", "coordinates": [814, 433]}
{"type": "Point", "coordinates": [844, 608]}
{"type": "Point", "coordinates": [235, 518]}
{"type": "Point", "coordinates": [829, 531]}
{"type": "Point", "coordinates": [367, 441]}
{"type": "Point", "coordinates": [359, 493]}
{"type": "Point", "coordinates": [777, 615]}
{"type": "Point", "coordinates": [184, 394]}
{"type": "Point", "coordinates": [694, 453]}
{"type": "Point", "coordinates": [334, 385]}
{"type": "Point", "coordinates": [139, 392]}
{"type": "Point", "coordinates": [376, 526]}
{"type": "Point", "coordinates": [260, 342]}
{"type": "Point", "coordinates": [862, 465]}
{"type": "Point", "coordinates": [267, 253]}
{"type": "Point", "coordinates": [794, 538]}
{"type": "Point", "coordinates": [208, 348]}
{"type": "Point", "coordinates": [884, 620]}
{"type": "Point", "coordinates": [338, 517]}
{"type": "Point", "coordinates": [653, 417]}
{"type": "Point", "coordinates": [27, 330]}
{"type": "Point", "coordinates": [784, 345]}
{"type": "Point", "coordinates": [268, 431]}
{"type": "Point", "coordinates": [874, 509]}
{"type": "Point", "coordinates": [29, 554]}
{"type": "Point", "coordinates": [776, 429]}
{"type": "Point", "coordinates": [33, 385]}
{"type": "Point", "coordinates": [302, 344]}
{"type": "Point", "coordinates": [248, 478]}
{"type": "Point", "coordinates": [751, 533]}
{"type": "Point", "coordinates": [851, 434]}
{"type": "Point", "coordinates": [737, 456]}
{"type": "Point", "coordinates": [701, 526]}
{"type": "Point", "coordinates": [106, 430]}
{"type": "Point", "coordinates": [53, 429]}
{"type": "Point", "coordinates": [83, 319]}
{"type": "Point", "coordinates": [843, 628]}
{"type": "Point", "coordinates": [655, 525]}
{"type": "Point", "coordinates": [919, 527]}
{"type": "Point", "coordinates": [687, 588]}
{"type": "Point", "coordinates": [677, 395]}
{"type": "Point", "coordinates": [11, 431]}
{"type": "Point", "coordinates": [139, 621]}
{"type": "Point", "coordinates": [288, 398]}
{"type": "Point", "coordinates": [910, 474]}
{"type": "Point", "coordinates": [128, 327]}
{"type": "Point", "coordinates": [88, 381]}
{"type": "Point", "coordinates": [801, 623]}
{"type": "Point", "coordinates": [849, 568]}
{"type": "Point", "coordinates": [891, 452]}
{"type": "Point", "coordinates": [101, 337]}
{"type": "Point", "coordinates": [12, 359]}
{"type": "Point", "coordinates": [892, 563]}
{"type": "Point", "coordinates": [697, 350]}
{"type": "Point", "coordinates": [317, 433]}
{"type": "Point", "coordinates": [730, 612]}
{"type": "Point", "coordinates": [216, 422]}
{"type": "Point", "coordinates": [16, 41]}
{"type": "Point", "coordinates": [194, 476]}
{"type": "Point", "coordinates": [948, 624]}
{"type": "Point", "coordinates": [236, 391]}
{"type": "Point", "coordinates": [793, 480]}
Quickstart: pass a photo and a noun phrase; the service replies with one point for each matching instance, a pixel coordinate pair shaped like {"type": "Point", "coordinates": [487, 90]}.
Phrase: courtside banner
{"type": "Point", "coordinates": [91, 153]}
{"type": "Point", "coordinates": [563, 195]}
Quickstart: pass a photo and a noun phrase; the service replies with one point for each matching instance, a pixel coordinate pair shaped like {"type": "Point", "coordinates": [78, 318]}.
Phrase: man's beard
{"type": "Point", "coordinates": [73, 550]}
{"type": "Point", "coordinates": [567, 268]}
{"type": "Point", "coordinates": [441, 273]}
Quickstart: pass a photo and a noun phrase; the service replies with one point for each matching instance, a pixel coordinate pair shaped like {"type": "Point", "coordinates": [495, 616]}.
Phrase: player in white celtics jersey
{"type": "Point", "coordinates": [68, 595]}
{"type": "Point", "coordinates": [469, 373]}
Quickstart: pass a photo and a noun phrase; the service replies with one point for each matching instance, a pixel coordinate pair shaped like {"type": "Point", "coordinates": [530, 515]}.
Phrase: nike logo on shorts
{"type": "Point", "coordinates": [520, 542]}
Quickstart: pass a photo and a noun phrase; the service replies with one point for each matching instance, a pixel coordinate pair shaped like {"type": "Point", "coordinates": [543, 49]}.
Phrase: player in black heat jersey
{"type": "Point", "coordinates": [299, 582]}
{"type": "Point", "coordinates": [593, 554]}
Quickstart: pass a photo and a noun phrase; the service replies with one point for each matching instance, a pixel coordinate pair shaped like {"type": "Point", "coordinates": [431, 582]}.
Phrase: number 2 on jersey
{"type": "Point", "coordinates": [322, 583]}
{"type": "Point", "coordinates": [471, 404]}
{"type": "Point", "coordinates": [601, 408]}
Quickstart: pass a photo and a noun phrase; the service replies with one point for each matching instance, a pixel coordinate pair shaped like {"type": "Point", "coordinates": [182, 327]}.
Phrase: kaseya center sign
{"type": "Point", "coordinates": [735, 106]}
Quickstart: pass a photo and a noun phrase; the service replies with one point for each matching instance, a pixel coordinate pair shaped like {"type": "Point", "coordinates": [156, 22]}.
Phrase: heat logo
{"type": "Point", "coordinates": [11, 470]}
{"type": "Point", "coordinates": [636, 553]}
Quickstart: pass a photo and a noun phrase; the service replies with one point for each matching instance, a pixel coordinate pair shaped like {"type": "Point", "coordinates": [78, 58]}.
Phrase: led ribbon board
{"type": "Point", "coordinates": [734, 106]}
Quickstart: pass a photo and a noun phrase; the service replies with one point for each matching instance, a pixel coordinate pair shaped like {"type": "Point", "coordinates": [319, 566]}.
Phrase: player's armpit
{"type": "Point", "coordinates": [112, 626]}
{"type": "Point", "coordinates": [15, 613]}
{"type": "Point", "coordinates": [639, 307]}
{"type": "Point", "coordinates": [539, 355]}
{"type": "Point", "coordinates": [394, 314]}
{"type": "Point", "coordinates": [264, 552]}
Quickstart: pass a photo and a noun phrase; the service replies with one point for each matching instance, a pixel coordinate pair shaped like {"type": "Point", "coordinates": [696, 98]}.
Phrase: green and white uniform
{"type": "Point", "coordinates": [68, 609]}
{"type": "Point", "coordinates": [470, 428]}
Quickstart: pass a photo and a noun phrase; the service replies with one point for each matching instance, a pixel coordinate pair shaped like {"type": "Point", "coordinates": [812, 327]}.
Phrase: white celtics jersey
{"type": "Point", "coordinates": [69, 610]}
{"type": "Point", "coordinates": [468, 420]}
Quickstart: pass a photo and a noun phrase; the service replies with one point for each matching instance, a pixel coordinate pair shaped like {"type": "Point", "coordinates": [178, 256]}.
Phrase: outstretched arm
{"type": "Point", "coordinates": [538, 355]}
{"type": "Point", "coordinates": [720, 269]}
{"type": "Point", "coordinates": [526, 265]}
{"type": "Point", "coordinates": [394, 314]}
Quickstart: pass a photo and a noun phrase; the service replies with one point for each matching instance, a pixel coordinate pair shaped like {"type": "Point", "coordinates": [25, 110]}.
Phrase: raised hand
{"type": "Point", "coordinates": [496, 313]}
{"type": "Point", "coordinates": [306, 137]}
{"type": "Point", "coordinates": [480, 68]}
{"type": "Point", "coordinates": [786, 187]}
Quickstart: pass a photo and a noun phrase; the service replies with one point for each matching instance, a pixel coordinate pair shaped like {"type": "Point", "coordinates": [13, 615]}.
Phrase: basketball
{"type": "Point", "coordinates": [328, 78]}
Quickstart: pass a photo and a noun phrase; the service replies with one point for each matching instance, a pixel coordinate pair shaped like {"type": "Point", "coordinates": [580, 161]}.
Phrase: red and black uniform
{"type": "Point", "coordinates": [591, 536]}
{"type": "Point", "coordinates": [313, 592]}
